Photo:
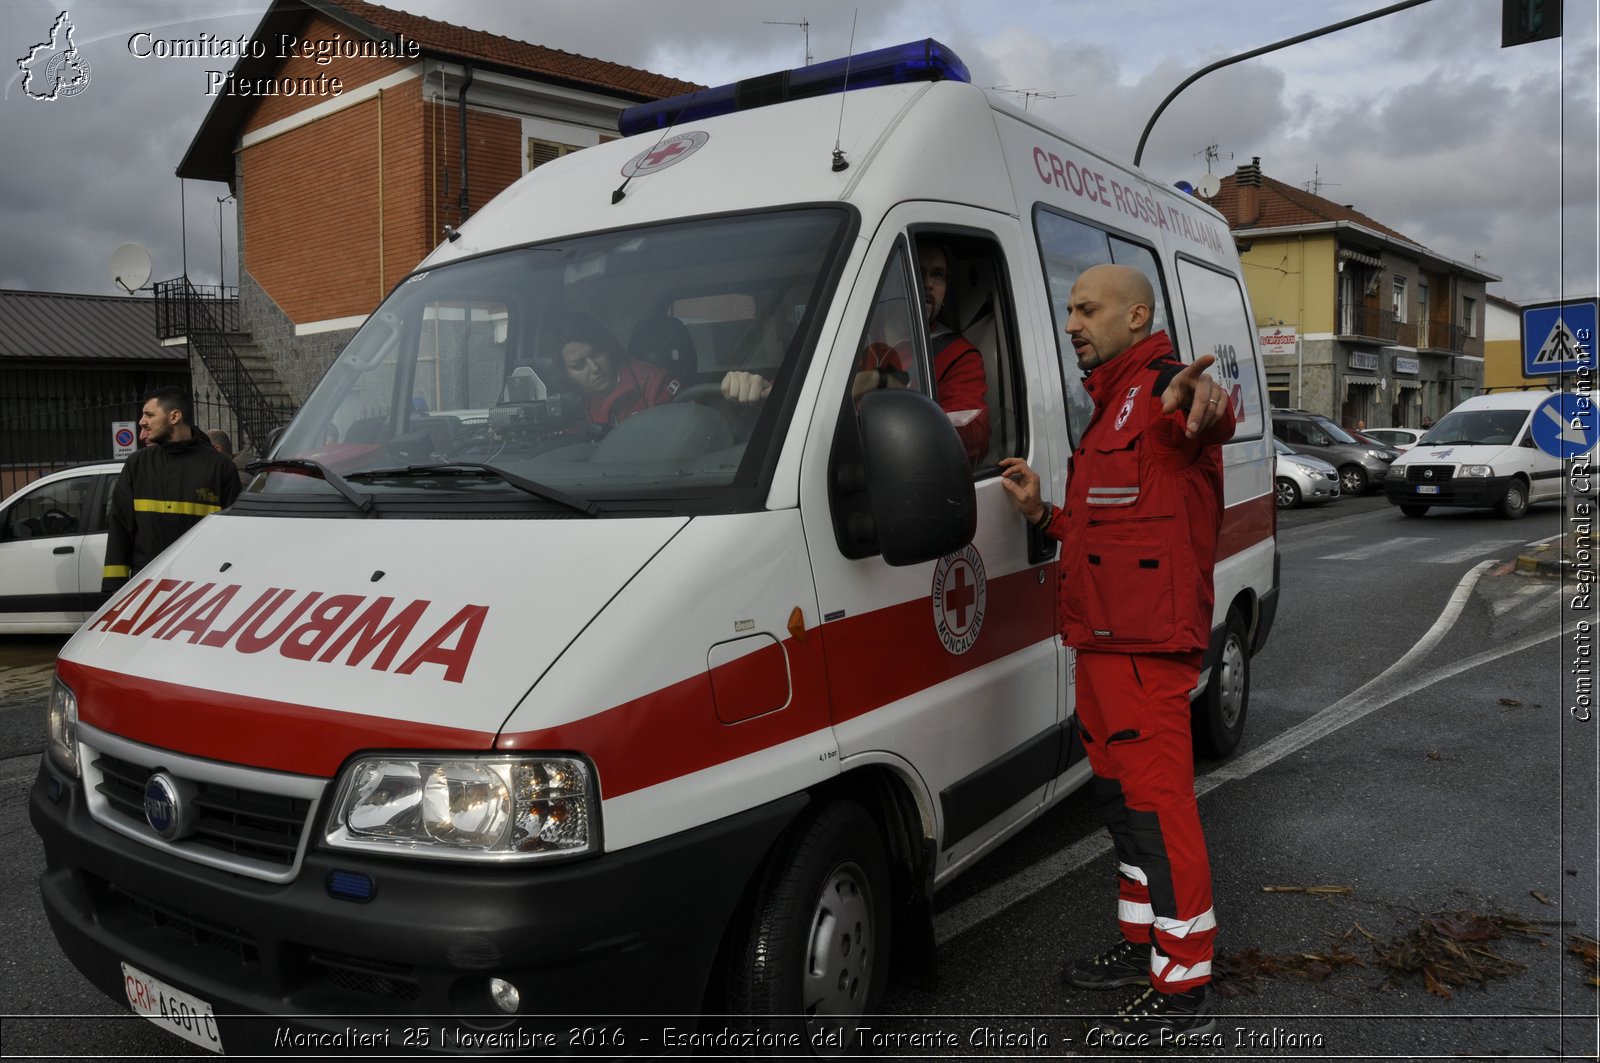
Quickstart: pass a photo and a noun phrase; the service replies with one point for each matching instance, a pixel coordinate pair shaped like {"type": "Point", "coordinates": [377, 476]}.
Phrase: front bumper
{"type": "Point", "coordinates": [1471, 491]}
{"type": "Point", "coordinates": [628, 933]}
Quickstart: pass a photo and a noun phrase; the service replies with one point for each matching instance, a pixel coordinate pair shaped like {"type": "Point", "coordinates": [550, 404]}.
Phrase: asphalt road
{"type": "Point", "coordinates": [1413, 789]}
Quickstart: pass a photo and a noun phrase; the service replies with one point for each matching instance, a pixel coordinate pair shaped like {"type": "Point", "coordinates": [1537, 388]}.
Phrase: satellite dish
{"type": "Point", "coordinates": [130, 267]}
{"type": "Point", "coordinates": [1209, 185]}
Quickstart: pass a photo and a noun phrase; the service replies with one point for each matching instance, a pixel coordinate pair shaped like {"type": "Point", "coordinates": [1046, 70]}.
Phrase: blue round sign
{"type": "Point", "coordinates": [124, 437]}
{"type": "Point", "coordinates": [1564, 424]}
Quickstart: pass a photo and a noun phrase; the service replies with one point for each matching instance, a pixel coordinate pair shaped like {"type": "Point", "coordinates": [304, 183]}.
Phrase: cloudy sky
{"type": "Point", "coordinates": [1485, 155]}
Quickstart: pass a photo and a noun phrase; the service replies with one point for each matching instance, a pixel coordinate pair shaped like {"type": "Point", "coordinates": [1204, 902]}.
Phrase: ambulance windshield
{"type": "Point", "coordinates": [600, 367]}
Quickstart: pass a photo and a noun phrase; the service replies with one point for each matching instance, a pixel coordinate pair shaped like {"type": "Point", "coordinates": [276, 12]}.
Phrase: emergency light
{"type": "Point", "coordinates": [925, 60]}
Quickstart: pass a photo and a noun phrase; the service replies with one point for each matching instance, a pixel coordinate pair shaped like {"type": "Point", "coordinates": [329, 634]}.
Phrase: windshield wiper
{"type": "Point", "coordinates": [333, 479]}
{"type": "Point", "coordinates": [521, 483]}
{"type": "Point", "coordinates": [1450, 443]}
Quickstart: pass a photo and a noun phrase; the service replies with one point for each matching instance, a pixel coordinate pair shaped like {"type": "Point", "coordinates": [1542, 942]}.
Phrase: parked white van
{"type": "Point", "coordinates": [490, 711]}
{"type": "Point", "coordinates": [1480, 454]}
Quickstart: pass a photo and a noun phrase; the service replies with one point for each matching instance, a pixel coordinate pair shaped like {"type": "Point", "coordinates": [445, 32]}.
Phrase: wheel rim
{"type": "Point", "coordinates": [1516, 498]}
{"type": "Point", "coordinates": [1230, 705]}
{"type": "Point", "coordinates": [1353, 481]}
{"type": "Point", "coordinates": [1287, 495]}
{"type": "Point", "coordinates": [840, 952]}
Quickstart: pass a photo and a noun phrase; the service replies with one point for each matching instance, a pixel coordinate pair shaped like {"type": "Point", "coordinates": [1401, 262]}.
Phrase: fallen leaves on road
{"type": "Point", "coordinates": [1587, 949]}
{"type": "Point", "coordinates": [1232, 975]}
{"type": "Point", "coordinates": [1541, 898]}
{"type": "Point", "coordinates": [1308, 889]}
{"type": "Point", "coordinates": [1448, 949]}
{"type": "Point", "coordinates": [1511, 703]}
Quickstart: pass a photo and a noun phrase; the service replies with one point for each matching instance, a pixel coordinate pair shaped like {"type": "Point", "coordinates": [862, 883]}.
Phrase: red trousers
{"type": "Point", "coordinates": [1133, 713]}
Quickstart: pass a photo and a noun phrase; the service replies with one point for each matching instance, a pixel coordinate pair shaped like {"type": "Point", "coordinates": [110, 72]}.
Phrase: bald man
{"type": "Point", "coordinates": [1139, 531]}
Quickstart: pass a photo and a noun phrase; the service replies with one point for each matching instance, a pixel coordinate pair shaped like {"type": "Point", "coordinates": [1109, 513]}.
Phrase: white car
{"type": "Point", "coordinates": [1398, 438]}
{"type": "Point", "coordinates": [52, 550]}
{"type": "Point", "coordinates": [1301, 479]}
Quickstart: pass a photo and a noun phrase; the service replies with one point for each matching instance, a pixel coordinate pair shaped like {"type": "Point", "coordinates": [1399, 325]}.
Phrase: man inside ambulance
{"type": "Point", "coordinates": [959, 385]}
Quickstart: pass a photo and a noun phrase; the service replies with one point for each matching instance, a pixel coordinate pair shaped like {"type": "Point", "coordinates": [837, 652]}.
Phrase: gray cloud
{"type": "Point", "coordinates": [1421, 120]}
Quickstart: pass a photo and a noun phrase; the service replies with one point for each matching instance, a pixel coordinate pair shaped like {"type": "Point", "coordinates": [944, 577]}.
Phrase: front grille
{"type": "Point", "coordinates": [368, 977]}
{"type": "Point", "coordinates": [232, 821]}
{"type": "Point", "coordinates": [231, 940]}
{"type": "Point", "coordinates": [1430, 474]}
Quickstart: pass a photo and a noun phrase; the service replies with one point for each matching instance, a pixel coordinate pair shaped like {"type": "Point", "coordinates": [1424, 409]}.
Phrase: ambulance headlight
{"type": "Point", "coordinates": [63, 718]}
{"type": "Point", "coordinates": [495, 808]}
{"type": "Point", "coordinates": [1476, 470]}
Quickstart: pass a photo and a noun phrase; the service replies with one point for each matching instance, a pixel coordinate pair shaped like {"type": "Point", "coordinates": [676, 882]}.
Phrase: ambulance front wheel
{"type": "Point", "coordinates": [814, 955]}
{"type": "Point", "coordinates": [1220, 711]}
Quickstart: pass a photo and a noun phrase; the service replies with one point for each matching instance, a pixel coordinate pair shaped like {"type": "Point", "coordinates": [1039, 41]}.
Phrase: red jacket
{"type": "Point", "coordinates": [640, 385]}
{"type": "Point", "coordinates": [1142, 513]}
{"type": "Point", "coordinates": [958, 385]}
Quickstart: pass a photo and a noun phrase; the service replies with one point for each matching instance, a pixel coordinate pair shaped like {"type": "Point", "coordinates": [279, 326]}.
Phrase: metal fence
{"type": "Point", "coordinates": [52, 418]}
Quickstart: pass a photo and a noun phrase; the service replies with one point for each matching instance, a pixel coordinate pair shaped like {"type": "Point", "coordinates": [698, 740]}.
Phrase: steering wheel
{"type": "Point", "coordinates": [57, 521]}
{"type": "Point", "coordinates": [740, 416]}
{"type": "Point", "coordinates": [701, 393]}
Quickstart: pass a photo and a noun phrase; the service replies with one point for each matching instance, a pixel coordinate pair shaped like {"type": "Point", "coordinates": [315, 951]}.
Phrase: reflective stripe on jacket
{"type": "Point", "coordinates": [1143, 507]}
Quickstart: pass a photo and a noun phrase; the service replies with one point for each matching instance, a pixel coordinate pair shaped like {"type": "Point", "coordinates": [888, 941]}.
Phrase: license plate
{"type": "Point", "coordinates": [171, 1009]}
{"type": "Point", "coordinates": [1427, 489]}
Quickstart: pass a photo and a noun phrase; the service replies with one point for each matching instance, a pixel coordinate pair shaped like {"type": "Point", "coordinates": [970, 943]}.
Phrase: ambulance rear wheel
{"type": "Point", "coordinates": [814, 955]}
{"type": "Point", "coordinates": [1219, 712]}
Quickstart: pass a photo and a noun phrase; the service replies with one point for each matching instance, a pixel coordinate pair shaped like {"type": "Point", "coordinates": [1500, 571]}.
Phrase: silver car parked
{"type": "Point", "coordinates": [1302, 480]}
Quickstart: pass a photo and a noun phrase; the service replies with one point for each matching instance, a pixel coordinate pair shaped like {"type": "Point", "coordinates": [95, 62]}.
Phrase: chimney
{"type": "Point", "coordinates": [1248, 178]}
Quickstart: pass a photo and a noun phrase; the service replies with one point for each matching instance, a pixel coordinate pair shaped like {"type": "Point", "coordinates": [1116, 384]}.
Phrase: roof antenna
{"type": "Point", "coordinates": [839, 162]}
{"type": "Point", "coordinates": [622, 189]}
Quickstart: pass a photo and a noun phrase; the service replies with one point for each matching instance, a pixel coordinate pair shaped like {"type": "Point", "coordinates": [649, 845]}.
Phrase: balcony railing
{"type": "Point", "coordinates": [1442, 336]}
{"type": "Point", "coordinates": [1355, 320]}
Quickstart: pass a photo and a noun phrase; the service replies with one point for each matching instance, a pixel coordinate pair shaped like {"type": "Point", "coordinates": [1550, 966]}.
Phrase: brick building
{"type": "Point", "coordinates": [1388, 331]}
{"type": "Point", "coordinates": [352, 152]}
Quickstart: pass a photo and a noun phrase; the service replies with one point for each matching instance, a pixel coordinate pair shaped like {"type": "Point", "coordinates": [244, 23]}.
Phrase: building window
{"type": "Point", "coordinates": [1469, 316]}
{"type": "Point", "coordinates": [1399, 303]}
{"type": "Point", "coordinates": [1422, 314]}
{"type": "Point", "coordinates": [543, 151]}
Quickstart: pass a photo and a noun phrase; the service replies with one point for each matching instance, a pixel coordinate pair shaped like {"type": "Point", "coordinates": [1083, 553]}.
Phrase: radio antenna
{"type": "Point", "coordinates": [839, 162]}
{"type": "Point", "coordinates": [804, 24]}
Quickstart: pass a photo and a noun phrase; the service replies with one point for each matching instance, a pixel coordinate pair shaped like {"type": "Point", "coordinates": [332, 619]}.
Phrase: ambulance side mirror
{"type": "Point", "coordinates": [920, 502]}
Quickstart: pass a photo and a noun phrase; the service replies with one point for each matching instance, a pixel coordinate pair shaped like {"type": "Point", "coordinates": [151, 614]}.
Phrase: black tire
{"type": "Point", "coordinates": [1414, 511]}
{"type": "Point", "coordinates": [1514, 503]}
{"type": "Point", "coordinates": [814, 954]}
{"type": "Point", "coordinates": [1220, 711]}
{"type": "Point", "coordinates": [1288, 493]}
{"type": "Point", "coordinates": [1352, 480]}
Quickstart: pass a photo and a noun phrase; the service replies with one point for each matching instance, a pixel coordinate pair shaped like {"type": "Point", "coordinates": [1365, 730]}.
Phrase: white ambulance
{"type": "Point", "coordinates": [475, 707]}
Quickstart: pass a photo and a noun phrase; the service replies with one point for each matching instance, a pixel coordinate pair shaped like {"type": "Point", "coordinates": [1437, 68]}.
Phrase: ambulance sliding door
{"type": "Point", "coordinates": [947, 670]}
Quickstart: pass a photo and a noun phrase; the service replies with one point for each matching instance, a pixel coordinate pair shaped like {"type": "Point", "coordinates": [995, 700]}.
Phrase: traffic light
{"type": "Point", "coordinates": [1526, 21]}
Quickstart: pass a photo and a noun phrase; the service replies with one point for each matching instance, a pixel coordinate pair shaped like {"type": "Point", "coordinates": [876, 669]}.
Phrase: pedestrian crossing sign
{"type": "Point", "coordinates": [1558, 338]}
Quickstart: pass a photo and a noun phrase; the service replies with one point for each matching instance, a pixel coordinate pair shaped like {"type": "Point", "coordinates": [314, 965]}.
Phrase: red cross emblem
{"type": "Point", "coordinates": [667, 153]}
{"type": "Point", "coordinates": [960, 595]}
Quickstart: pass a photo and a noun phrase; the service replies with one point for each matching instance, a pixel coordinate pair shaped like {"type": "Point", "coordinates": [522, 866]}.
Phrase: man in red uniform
{"type": "Point", "coordinates": [1139, 532]}
{"type": "Point", "coordinates": [959, 385]}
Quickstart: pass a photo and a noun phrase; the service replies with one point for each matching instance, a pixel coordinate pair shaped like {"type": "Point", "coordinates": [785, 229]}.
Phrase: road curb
{"type": "Point", "coordinates": [1551, 560]}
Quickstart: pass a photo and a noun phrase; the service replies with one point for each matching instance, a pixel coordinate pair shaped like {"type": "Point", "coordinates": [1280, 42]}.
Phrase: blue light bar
{"type": "Point", "coordinates": [925, 60]}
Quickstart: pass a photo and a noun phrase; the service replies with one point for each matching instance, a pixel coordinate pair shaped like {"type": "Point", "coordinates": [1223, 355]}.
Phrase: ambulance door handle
{"type": "Point", "coordinates": [1041, 547]}
{"type": "Point", "coordinates": [62, 550]}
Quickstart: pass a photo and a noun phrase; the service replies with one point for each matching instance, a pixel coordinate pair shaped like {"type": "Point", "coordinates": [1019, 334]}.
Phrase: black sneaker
{"type": "Point", "coordinates": [1125, 963]}
{"type": "Point", "coordinates": [1153, 1019]}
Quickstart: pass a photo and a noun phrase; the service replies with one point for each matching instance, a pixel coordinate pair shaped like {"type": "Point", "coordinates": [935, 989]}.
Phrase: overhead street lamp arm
{"type": "Point", "coordinates": [1197, 75]}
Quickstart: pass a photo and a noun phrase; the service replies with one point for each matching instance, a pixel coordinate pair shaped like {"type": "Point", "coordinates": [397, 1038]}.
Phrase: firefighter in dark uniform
{"type": "Point", "coordinates": [1139, 531]}
{"type": "Point", "coordinates": [164, 488]}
